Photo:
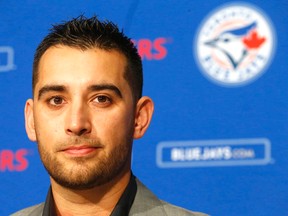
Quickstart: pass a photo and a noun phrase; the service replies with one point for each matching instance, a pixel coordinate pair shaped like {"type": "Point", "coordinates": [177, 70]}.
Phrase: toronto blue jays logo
{"type": "Point", "coordinates": [235, 45]}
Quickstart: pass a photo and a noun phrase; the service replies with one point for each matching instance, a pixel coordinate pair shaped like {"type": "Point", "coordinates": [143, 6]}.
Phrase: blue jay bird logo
{"type": "Point", "coordinates": [234, 45]}
{"type": "Point", "coordinates": [241, 39]}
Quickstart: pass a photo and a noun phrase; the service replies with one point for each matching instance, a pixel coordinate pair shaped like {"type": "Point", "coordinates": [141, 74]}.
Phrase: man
{"type": "Point", "coordinates": [87, 108]}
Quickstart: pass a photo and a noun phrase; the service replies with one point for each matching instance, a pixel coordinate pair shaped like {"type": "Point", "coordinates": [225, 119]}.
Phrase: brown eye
{"type": "Point", "coordinates": [102, 99]}
{"type": "Point", "coordinates": [56, 101]}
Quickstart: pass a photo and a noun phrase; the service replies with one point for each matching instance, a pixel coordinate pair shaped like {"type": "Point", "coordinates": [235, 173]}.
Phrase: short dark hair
{"type": "Point", "coordinates": [86, 33]}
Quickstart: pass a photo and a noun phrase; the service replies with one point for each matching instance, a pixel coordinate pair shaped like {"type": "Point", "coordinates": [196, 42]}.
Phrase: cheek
{"type": "Point", "coordinates": [47, 129]}
{"type": "Point", "coordinates": [115, 126]}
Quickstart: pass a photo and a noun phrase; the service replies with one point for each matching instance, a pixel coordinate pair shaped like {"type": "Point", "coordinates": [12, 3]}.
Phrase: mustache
{"type": "Point", "coordinates": [79, 141]}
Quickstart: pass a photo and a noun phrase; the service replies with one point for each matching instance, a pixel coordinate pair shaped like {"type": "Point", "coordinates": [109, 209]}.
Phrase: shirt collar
{"type": "Point", "coordinates": [122, 207]}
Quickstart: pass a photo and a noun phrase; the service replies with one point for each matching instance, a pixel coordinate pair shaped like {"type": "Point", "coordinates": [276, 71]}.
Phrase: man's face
{"type": "Point", "coordinates": [83, 116]}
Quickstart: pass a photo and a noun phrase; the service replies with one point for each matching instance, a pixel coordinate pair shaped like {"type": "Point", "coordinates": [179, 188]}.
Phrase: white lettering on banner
{"type": "Point", "coordinates": [214, 153]}
{"type": "Point", "coordinates": [7, 59]}
{"type": "Point", "coordinates": [190, 154]}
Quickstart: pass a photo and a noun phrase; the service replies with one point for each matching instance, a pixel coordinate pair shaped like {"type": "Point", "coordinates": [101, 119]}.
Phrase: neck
{"type": "Point", "coordinates": [99, 200]}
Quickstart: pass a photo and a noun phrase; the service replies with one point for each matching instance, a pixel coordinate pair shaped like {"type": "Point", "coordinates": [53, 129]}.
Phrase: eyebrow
{"type": "Point", "coordinates": [101, 87]}
{"type": "Point", "coordinates": [62, 88]}
{"type": "Point", "coordinates": [49, 88]}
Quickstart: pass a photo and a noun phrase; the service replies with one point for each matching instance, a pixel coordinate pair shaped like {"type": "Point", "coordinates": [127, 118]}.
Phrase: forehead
{"type": "Point", "coordinates": [73, 66]}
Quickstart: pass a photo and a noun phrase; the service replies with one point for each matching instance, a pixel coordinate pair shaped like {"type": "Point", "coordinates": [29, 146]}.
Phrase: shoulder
{"type": "Point", "coordinates": [146, 203]}
{"type": "Point", "coordinates": [36, 210]}
{"type": "Point", "coordinates": [176, 210]}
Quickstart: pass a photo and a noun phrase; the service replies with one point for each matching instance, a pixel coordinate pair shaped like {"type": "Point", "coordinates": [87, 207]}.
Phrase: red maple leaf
{"type": "Point", "coordinates": [253, 40]}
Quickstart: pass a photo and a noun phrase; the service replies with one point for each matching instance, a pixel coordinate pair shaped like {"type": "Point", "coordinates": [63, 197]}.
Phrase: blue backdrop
{"type": "Point", "coordinates": [217, 73]}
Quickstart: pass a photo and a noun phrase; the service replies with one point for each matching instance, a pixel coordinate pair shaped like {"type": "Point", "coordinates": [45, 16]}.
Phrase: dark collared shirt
{"type": "Point", "coordinates": [122, 207]}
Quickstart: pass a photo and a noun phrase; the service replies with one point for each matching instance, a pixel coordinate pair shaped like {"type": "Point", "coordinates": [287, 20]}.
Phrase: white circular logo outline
{"type": "Point", "coordinates": [265, 66]}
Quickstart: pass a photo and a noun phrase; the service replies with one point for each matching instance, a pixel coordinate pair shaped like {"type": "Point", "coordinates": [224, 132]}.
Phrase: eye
{"type": "Point", "coordinates": [102, 99]}
{"type": "Point", "coordinates": [56, 101]}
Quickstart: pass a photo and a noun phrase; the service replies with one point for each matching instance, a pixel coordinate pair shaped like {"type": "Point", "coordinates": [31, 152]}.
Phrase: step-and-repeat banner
{"type": "Point", "coordinates": [217, 71]}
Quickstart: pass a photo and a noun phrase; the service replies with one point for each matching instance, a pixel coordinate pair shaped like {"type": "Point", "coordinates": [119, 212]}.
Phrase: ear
{"type": "Point", "coordinates": [29, 120]}
{"type": "Point", "coordinates": [144, 111]}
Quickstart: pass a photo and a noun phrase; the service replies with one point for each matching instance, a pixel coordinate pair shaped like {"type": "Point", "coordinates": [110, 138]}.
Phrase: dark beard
{"type": "Point", "coordinates": [88, 176]}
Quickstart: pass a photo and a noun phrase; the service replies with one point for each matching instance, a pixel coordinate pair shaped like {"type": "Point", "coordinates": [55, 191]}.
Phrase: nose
{"type": "Point", "coordinates": [78, 121]}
